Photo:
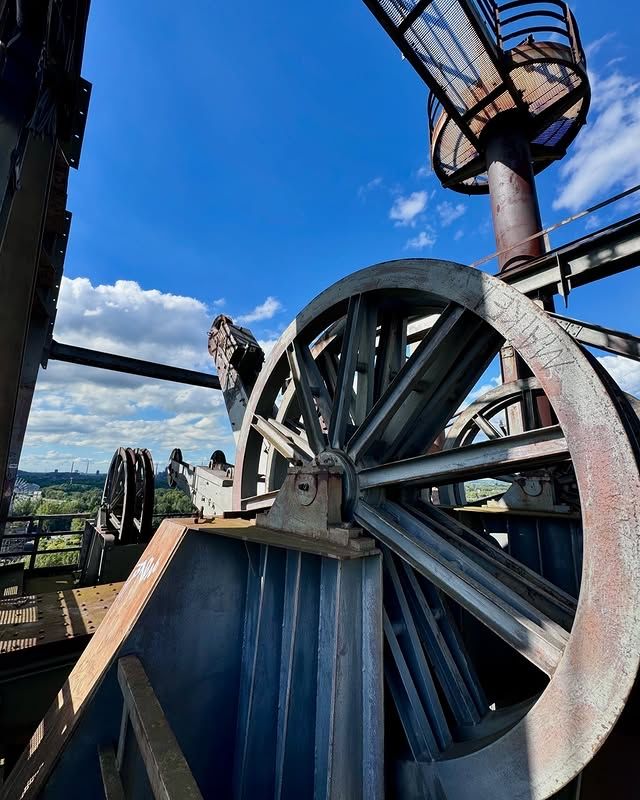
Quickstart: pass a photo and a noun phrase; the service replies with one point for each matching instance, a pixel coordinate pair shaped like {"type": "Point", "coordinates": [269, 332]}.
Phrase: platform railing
{"type": "Point", "coordinates": [520, 19]}
{"type": "Point", "coordinates": [34, 536]}
{"type": "Point", "coordinates": [512, 23]}
{"type": "Point", "coordinates": [165, 765]}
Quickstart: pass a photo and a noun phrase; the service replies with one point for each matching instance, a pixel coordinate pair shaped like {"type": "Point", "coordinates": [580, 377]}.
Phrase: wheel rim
{"type": "Point", "coordinates": [601, 654]}
{"type": "Point", "coordinates": [144, 494]}
{"type": "Point", "coordinates": [119, 493]}
{"type": "Point", "coordinates": [479, 419]}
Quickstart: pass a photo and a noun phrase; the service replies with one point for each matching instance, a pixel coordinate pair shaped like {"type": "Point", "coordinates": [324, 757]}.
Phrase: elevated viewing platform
{"type": "Point", "coordinates": [480, 60]}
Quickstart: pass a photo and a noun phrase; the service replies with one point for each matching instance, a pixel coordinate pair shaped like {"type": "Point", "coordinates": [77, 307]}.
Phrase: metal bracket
{"type": "Point", "coordinates": [309, 504]}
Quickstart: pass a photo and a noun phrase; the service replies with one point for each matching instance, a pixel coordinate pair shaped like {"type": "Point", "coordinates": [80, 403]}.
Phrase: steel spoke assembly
{"type": "Point", "coordinates": [126, 510]}
{"type": "Point", "coordinates": [373, 385]}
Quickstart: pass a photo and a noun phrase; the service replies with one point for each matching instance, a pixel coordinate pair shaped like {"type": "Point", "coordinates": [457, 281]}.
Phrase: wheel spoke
{"type": "Point", "coordinates": [392, 349]}
{"type": "Point", "coordinates": [283, 443]}
{"type": "Point", "coordinates": [531, 586]}
{"type": "Point", "coordinates": [295, 436]}
{"type": "Point", "coordinates": [406, 699]}
{"type": "Point", "coordinates": [487, 427]}
{"type": "Point", "coordinates": [342, 402]}
{"type": "Point", "coordinates": [117, 497]}
{"type": "Point", "coordinates": [304, 379]}
{"type": "Point", "coordinates": [523, 627]}
{"type": "Point", "coordinates": [430, 386]}
{"type": "Point", "coordinates": [460, 688]}
{"type": "Point", "coordinates": [455, 370]}
{"type": "Point", "coordinates": [404, 383]}
{"type": "Point", "coordinates": [508, 454]}
{"type": "Point", "coordinates": [365, 365]}
{"type": "Point", "coordinates": [319, 388]}
{"type": "Point", "coordinates": [400, 612]}
{"type": "Point", "coordinates": [327, 364]}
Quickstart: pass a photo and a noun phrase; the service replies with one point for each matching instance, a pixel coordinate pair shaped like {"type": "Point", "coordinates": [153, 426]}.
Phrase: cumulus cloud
{"type": "Point", "coordinates": [449, 213]}
{"type": "Point", "coordinates": [421, 241]}
{"type": "Point", "coordinates": [124, 318]}
{"type": "Point", "coordinates": [606, 156]}
{"type": "Point", "coordinates": [405, 209]}
{"type": "Point", "coordinates": [84, 413]}
{"type": "Point", "coordinates": [266, 310]}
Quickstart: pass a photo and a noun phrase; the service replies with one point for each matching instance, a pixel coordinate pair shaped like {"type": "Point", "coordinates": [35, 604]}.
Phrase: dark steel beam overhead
{"type": "Point", "coordinates": [607, 252]}
{"type": "Point", "coordinates": [623, 344]}
{"type": "Point", "coordinates": [131, 366]}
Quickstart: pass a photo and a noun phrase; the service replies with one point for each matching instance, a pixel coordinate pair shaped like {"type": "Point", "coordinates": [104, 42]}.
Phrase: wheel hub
{"type": "Point", "coordinates": [338, 459]}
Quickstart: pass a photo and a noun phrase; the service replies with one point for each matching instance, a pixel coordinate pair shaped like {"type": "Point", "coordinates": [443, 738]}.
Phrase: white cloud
{"type": "Point", "coordinates": [267, 345]}
{"type": "Point", "coordinates": [405, 209]}
{"type": "Point", "coordinates": [606, 156]}
{"type": "Point", "coordinates": [126, 319]}
{"type": "Point", "coordinates": [449, 212]}
{"type": "Point", "coordinates": [374, 183]}
{"type": "Point", "coordinates": [424, 172]}
{"type": "Point", "coordinates": [624, 371]}
{"type": "Point", "coordinates": [594, 47]}
{"type": "Point", "coordinates": [422, 240]}
{"type": "Point", "coordinates": [593, 222]}
{"type": "Point", "coordinates": [84, 413]}
{"type": "Point", "coordinates": [266, 310]}
{"type": "Point", "coordinates": [458, 235]}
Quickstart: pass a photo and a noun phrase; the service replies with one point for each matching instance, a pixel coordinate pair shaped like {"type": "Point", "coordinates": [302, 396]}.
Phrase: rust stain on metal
{"type": "Point", "coordinates": [36, 620]}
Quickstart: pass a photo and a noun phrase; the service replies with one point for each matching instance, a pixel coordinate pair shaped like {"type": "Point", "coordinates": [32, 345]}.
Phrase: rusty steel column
{"type": "Point", "coordinates": [516, 217]}
{"type": "Point", "coordinates": [512, 189]}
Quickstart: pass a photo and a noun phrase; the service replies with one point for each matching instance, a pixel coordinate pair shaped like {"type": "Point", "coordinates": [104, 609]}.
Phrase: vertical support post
{"type": "Point", "coordinates": [516, 217]}
{"type": "Point", "coordinates": [36, 544]}
{"type": "Point", "coordinates": [512, 189]}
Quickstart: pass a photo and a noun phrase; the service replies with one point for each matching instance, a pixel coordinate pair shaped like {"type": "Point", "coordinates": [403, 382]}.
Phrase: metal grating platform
{"type": "Point", "coordinates": [479, 60]}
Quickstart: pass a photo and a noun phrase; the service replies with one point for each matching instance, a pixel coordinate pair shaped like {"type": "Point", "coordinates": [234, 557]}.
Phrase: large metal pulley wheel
{"type": "Point", "coordinates": [118, 494]}
{"type": "Point", "coordinates": [144, 494]}
{"type": "Point", "coordinates": [126, 509]}
{"type": "Point", "coordinates": [368, 376]}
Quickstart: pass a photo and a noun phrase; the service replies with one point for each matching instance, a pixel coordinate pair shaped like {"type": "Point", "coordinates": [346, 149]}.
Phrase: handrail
{"type": "Point", "coordinates": [170, 777]}
{"type": "Point", "coordinates": [35, 532]}
{"type": "Point", "coordinates": [30, 517]}
{"type": "Point", "coordinates": [546, 19]}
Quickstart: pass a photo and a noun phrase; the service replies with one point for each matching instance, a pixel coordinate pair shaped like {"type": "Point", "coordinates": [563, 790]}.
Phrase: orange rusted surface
{"type": "Point", "coordinates": [33, 768]}
{"type": "Point", "coordinates": [40, 619]}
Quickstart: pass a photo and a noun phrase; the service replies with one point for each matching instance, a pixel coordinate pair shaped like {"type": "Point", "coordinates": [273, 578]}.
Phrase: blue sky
{"type": "Point", "coordinates": [242, 157]}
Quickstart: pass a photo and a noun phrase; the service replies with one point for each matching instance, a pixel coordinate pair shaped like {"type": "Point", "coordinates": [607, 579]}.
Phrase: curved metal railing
{"type": "Point", "coordinates": [555, 24]}
{"type": "Point", "coordinates": [544, 20]}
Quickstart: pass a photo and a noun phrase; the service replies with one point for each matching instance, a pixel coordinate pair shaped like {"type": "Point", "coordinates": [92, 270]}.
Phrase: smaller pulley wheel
{"type": "Point", "coordinates": [144, 494]}
{"type": "Point", "coordinates": [118, 496]}
{"type": "Point", "coordinates": [176, 455]}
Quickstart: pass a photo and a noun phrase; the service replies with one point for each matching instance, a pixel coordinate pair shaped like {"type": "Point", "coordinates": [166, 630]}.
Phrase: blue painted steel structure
{"type": "Point", "coordinates": [267, 662]}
